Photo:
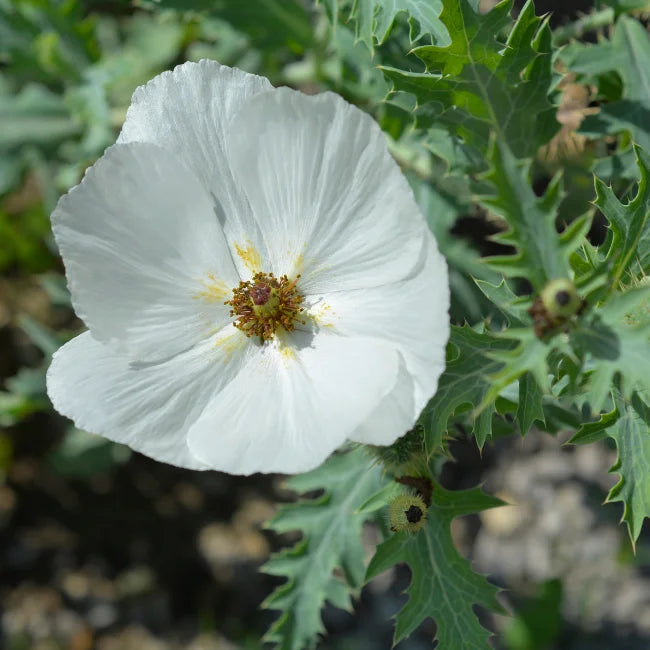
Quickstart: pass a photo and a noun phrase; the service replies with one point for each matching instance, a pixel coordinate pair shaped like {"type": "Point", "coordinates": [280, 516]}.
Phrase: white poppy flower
{"type": "Point", "coordinates": [289, 209]}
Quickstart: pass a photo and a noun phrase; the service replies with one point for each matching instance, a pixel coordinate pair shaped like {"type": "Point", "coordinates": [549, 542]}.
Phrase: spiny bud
{"type": "Point", "coordinates": [404, 452]}
{"type": "Point", "coordinates": [407, 512]}
{"type": "Point", "coordinates": [560, 298]}
{"type": "Point", "coordinates": [553, 308]}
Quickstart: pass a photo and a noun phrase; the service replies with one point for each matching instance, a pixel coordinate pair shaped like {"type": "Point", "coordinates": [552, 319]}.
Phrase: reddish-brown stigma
{"type": "Point", "coordinates": [265, 303]}
{"type": "Point", "coordinates": [260, 294]}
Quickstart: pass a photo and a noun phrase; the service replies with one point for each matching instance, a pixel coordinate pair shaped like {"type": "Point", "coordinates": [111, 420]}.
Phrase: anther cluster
{"type": "Point", "coordinates": [264, 303]}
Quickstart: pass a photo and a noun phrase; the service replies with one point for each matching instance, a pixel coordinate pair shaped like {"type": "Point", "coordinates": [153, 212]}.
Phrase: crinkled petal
{"type": "Point", "coordinates": [411, 314]}
{"type": "Point", "coordinates": [330, 200]}
{"type": "Point", "coordinates": [188, 111]}
{"type": "Point", "coordinates": [146, 260]}
{"type": "Point", "coordinates": [394, 415]}
{"type": "Point", "coordinates": [290, 407]}
{"type": "Point", "coordinates": [148, 407]}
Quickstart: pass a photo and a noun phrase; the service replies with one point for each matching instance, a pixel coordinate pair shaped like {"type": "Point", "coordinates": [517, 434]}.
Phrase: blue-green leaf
{"type": "Point", "coordinates": [331, 539]}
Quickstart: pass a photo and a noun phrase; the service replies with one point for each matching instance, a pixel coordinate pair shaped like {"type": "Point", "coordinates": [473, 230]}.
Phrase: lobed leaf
{"type": "Point", "coordinates": [629, 426]}
{"type": "Point", "coordinates": [331, 540]}
{"type": "Point", "coordinates": [626, 54]}
{"type": "Point", "coordinates": [616, 340]}
{"type": "Point", "coordinates": [464, 384]}
{"type": "Point", "coordinates": [629, 249]}
{"type": "Point", "coordinates": [589, 432]}
{"type": "Point", "coordinates": [526, 361]}
{"type": "Point", "coordinates": [542, 255]}
{"type": "Point", "coordinates": [443, 585]}
{"type": "Point", "coordinates": [478, 86]}
{"type": "Point", "coordinates": [373, 19]}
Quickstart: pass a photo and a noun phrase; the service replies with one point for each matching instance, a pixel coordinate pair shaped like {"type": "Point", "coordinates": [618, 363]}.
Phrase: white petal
{"type": "Point", "coordinates": [289, 408]}
{"type": "Point", "coordinates": [394, 415]}
{"type": "Point", "coordinates": [188, 111]}
{"type": "Point", "coordinates": [411, 314]}
{"type": "Point", "coordinates": [148, 407]}
{"type": "Point", "coordinates": [331, 202]}
{"type": "Point", "coordinates": [146, 259]}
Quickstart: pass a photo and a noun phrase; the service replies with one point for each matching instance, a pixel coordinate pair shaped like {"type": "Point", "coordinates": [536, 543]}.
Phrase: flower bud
{"type": "Point", "coordinates": [407, 512]}
{"type": "Point", "coordinates": [560, 299]}
{"type": "Point", "coordinates": [555, 306]}
{"type": "Point", "coordinates": [405, 454]}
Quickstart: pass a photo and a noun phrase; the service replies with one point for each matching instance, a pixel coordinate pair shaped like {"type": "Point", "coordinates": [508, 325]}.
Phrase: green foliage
{"type": "Point", "coordinates": [478, 86]}
{"type": "Point", "coordinates": [25, 392]}
{"type": "Point", "coordinates": [83, 455]}
{"type": "Point", "coordinates": [331, 540]}
{"type": "Point", "coordinates": [628, 424]}
{"type": "Point", "coordinates": [529, 408]}
{"type": "Point", "coordinates": [541, 254]}
{"type": "Point", "coordinates": [22, 236]}
{"type": "Point", "coordinates": [443, 585]}
{"type": "Point", "coordinates": [593, 431]}
{"type": "Point", "coordinates": [374, 19]}
{"type": "Point", "coordinates": [33, 115]}
{"type": "Point", "coordinates": [631, 49]}
{"type": "Point", "coordinates": [631, 432]}
{"type": "Point", "coordinates": [46, 40]}
{"type": "Point", "coordinates": [525, 361]}
{"type": "Point", "coordinates": [629, 250]}
{"type": "Point", "coordinates": [464, 385]}
{"type": "Point", "coordinates": [616, 341]}
{"type": "Point", "coordinates": [404, 456]}
{"type": "Point", "coordinates": [30, 117]}
{"type": "Point", "coordinates": [268, 23]}
{"type": "Point", "coordinates": [629, 109]}
{"type": "Point", "coordinates": [348, 71]}
{"type": "Point", "coordinates": [442, 206]}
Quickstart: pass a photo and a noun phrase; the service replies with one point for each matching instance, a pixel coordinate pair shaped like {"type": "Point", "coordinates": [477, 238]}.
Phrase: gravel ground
{"type": "Point", "coordinates": [557, 528]}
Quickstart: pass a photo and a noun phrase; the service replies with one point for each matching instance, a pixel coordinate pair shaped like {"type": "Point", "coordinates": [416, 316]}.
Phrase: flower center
{"type": "Point", "coordinates": [265, 303]}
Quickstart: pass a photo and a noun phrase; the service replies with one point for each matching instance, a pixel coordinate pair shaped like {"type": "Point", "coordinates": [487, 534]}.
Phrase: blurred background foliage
{"type": "Point", "coordinates": [103, 548]}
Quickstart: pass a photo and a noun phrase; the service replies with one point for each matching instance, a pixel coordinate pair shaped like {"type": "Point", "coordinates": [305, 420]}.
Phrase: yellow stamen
{"type": "Point", "coordinates": [266, 303]}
